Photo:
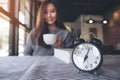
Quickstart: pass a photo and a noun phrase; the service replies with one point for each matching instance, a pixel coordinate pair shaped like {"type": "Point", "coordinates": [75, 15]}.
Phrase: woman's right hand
{"type": "Point", "coordinates": [59, 43]}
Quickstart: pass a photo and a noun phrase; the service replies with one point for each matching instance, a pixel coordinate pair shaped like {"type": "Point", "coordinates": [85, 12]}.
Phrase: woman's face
{"type": "Point", "coordinates": [50, 14]}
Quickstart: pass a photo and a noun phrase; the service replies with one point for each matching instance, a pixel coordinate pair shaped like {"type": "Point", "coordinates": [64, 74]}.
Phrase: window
{"type": "Point", "coordinates": [15, 18]}
{"type": "Point", "coordinates": [24, 13]}
{"type": "Point", "coordinates": [4, 31]}
{"type": "Point", "coordinates": [4, 37]}
{"type": "Point", "coordinates": [4, 4]}
{"type": "Point", "coordinates": [22, 38]}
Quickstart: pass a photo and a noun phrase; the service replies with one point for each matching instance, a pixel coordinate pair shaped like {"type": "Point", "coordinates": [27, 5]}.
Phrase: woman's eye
{"type": "Point", "coordinates": [53, 11]}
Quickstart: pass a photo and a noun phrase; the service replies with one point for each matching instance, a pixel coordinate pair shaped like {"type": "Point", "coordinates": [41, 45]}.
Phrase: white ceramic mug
{"type": "Point", "coordinates": [49, 39]}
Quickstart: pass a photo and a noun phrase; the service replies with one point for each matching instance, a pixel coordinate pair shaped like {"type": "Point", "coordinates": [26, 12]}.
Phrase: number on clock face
{"type": "Point", "coordinates": [91, 65]}
{"type": "Point", "coordinates": [78, 50]}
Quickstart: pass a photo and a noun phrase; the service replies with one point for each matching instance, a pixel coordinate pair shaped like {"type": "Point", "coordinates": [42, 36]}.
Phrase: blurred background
{"type": "Point", "coordinates": [102, 17]}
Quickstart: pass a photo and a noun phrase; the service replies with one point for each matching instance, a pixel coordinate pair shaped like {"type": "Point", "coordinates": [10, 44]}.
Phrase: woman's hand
{"type": "Point", "coordinates": [59, 43]}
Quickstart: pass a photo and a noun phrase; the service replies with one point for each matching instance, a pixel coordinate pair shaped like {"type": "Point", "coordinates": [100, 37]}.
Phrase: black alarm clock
{"type": "Point", "coordinates": [87, 56]}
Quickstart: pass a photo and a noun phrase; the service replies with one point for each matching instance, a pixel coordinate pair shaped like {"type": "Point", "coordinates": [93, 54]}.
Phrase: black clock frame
{"type": "Point", "coordinates": [99, 65]}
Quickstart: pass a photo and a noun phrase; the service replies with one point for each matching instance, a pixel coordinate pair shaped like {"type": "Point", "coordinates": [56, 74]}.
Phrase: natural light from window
{"type": "Point", "coordinates": [4, 4]}
{"type": "Point", "coordinates": [4, 36]}
{"type": "Point", "coordinates": [4, 31]}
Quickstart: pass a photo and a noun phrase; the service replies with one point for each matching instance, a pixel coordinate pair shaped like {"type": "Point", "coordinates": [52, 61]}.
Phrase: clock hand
{"type": "Point", "coordinates": [87, 63]}
{"type": "Point", "coordinates": [86, 56]}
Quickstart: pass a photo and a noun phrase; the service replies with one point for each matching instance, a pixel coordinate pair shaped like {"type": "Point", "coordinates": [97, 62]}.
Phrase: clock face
{"type": "Point", "coordinates": [87, 57]}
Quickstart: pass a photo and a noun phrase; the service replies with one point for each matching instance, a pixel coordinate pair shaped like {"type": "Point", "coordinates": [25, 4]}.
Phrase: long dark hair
{"type": "Point", "coordinates": [42, 26]}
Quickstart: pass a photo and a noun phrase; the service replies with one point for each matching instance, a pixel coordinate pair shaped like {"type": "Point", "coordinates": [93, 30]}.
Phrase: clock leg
{"type": "Point", "coordinates": [80, 71]}
{"type": "Point", "coordinates": [96, 73]}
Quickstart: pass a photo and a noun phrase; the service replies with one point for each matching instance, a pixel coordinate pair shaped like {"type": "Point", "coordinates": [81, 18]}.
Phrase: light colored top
{"type": "Point", "coordinates": [32, 49]}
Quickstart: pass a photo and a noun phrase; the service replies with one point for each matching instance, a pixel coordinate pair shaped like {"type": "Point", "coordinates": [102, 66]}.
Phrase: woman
{"type": "Point", "coordinates": [48, 21]}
